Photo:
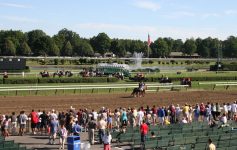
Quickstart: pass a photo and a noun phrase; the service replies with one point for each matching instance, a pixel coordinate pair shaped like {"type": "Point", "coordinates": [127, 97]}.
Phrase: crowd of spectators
{"type": "Point", "coordinates": [73, 121]}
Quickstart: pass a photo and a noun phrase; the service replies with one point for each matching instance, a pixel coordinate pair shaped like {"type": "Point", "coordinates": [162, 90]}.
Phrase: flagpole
{"type": "Point", "coordinates": [148, 51]}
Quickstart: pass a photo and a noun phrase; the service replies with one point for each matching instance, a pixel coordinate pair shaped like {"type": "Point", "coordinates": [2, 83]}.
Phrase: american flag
{"type": "Point", "coordinates": [149, 40]}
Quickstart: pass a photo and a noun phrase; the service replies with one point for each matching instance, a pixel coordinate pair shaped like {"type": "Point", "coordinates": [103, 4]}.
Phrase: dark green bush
{"type": "Point", "coordinates": [20, 81]}
{"type": "Point", "coordinates": [57, 80]}
{"type": "Point", "coordinates": [56, 61]}
{"type": "Point", "coordinates": [150, 61]}
{"type": "Point", "coordinates": [224, 67]}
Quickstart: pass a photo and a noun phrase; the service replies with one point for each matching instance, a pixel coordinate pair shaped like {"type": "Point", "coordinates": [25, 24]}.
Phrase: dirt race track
{"type": "Point", "coordinates": [96, 101]}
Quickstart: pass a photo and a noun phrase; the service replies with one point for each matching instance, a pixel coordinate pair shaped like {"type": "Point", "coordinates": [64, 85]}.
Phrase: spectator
{"type": "Point", "coordinates": [53, 131]}
{"type": "Point", "coordinates": [211, 146]}
{"type": "Point", "coordinates": [62, 136]}
{"type": "Point", "coordinates": [153, 134]}
{"type": "Point", "coordinates": [107, 140]}
{"type": "Point", "coordinates": [44, 122]}
{"type": "Point", "coordinates": [144, 130]}
{"type": "Point", "coordinates": [22, 121]}
{"type": "Point", "coordinates": [223, 121]}
{"type": "Point", "coordinates": [101, 126]}
{"type": "Point", "coordinates": [91, 130]}
{"type": "Point", "coordinates": [34, 120]}
{"type": "Point", "coordinates": [76, 129]}
{"type": "Point", "coordinates": [13, 123]}
{"type": "Point", "coordinates": [5, 127]}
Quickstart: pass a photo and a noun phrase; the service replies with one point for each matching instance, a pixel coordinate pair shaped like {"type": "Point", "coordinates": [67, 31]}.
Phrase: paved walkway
{"type": "Point", "coordinates": [39, 142]}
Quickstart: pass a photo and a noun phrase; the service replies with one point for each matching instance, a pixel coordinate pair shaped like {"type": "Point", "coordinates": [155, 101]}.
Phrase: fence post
{"type": "Point", "coordinates": [74, 91]}
{"type": "Point", "coordinates": [227, 87]}
{"type": "Point", "coordinates": [214, 86]}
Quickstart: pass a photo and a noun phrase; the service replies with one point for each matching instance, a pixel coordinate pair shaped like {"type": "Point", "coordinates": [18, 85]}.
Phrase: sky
{"type": "Point", "coordinates": [127, 19]}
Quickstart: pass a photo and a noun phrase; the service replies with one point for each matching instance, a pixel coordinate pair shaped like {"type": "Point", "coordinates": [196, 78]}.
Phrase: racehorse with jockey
{"type": "Point", "coordinates": [140, 91]}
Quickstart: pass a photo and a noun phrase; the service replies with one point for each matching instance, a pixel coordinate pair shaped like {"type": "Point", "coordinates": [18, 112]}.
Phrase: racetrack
{"type": "Point", "coordinates": [96, 101]}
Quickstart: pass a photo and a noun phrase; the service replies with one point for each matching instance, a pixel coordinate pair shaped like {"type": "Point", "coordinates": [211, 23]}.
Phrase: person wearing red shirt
{"type": "Point", "coordinates": [34, 120]}
{"type": "Point", "coordinates": [144, 130]}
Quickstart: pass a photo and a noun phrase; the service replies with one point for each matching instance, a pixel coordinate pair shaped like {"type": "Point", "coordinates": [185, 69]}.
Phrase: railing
{"type": "Point", "coordinates": [216, 84]}
{"type": "Point", "coordinates": [110, 87]}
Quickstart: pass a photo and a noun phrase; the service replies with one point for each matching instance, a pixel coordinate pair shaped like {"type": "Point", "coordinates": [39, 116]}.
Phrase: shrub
{"type": "Point", "coordinates": [150, 61]}
{"type": "Point", "coordinates": [188, 62]}
{"type": "Point", "coordinates": [172, 61]}
{"type": "Point", "coordinates": [63, 61]}
{"type": "Point", "coordinates": [20, 81]}
{"type": "Point", "coordinates": [56, 61]}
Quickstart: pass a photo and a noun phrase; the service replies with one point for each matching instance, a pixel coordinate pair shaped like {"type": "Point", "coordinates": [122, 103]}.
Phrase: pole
{"type": "Point", "coordinates": [148, 51]}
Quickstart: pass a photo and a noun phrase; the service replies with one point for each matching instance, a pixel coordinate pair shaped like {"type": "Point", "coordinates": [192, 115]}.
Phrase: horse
{"type": "Point", "coordinates": [163, 80]}
{"type": "Point", "coordinates": [186, 81]}
{"type": "Point", "coordinates": [137, 92]}
{"type": "Point", "coordinates": [68, 74]}
{"type": "Point", "coordinates": [44, 74]}
{"type": "Point", "coordinates": [59, 74]}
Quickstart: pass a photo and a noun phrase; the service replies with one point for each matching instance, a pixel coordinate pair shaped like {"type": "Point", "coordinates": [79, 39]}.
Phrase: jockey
{"type": "Point", "coordinates": [141, 86]}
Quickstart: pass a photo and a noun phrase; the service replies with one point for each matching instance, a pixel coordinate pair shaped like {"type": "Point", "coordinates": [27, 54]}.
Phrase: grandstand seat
{"type": "Point", "coordinates": [179, 141]}
{"type": "Point", "coordinates": [225, 137]}
{"type": "Point", "coordinates": [190, 140]}
{"type": "Point", "coordinates": [202, 139]}
{"type": "Point", "coordinates": [231, 148]}
{"type": "Point", "coordinates": [222, 144]}
{"type": "Point", "coordinates": [151, 144]}
{"type": "Point", "coordinates": [233, 142]}
{"type": "Point", "coordinates": [200, 146]}
{"type": "Point", "coordinates": [163, 143]}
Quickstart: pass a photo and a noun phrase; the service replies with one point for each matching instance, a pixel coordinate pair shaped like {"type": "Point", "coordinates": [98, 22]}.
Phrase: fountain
{"type": "Point", "coordinates": [137, 60]}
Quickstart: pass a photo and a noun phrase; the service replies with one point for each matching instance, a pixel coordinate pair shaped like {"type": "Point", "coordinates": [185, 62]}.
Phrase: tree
{"type": "Point", "coordinates": [101, 43]}
{"type": "Point", "coordinates": [84, 49]}
{"type": "Point", "coordinates": [32, 37]}
{"type": "Point", "coordinates": [54, 50]}
{"type": "Point", "coordinates": [67, 49]}
{"type": "Point", "coordinates": [117, 48]}
{"type": "Point", "coordinates": [170, 43]}
{"type": "Point", "coordinates": [189, 47]}
{"type": "Point", "coordinates": [230, 47]}
{"type": "Point", "coordinates": [64, 36]}
{"type": "Point", "coordinates": [177, 45]}
{"type": "Point", "coordinates": [43, 46]}
{"type": "Point", "coordinates": [10, 49]}
{"type": "Point", "coordinates": [25, 49]}
{"type": "Point", "coordinates": [160, 48]}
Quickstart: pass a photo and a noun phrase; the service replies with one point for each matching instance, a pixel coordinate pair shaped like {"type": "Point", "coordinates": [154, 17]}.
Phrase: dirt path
{"type": "Point", "coordinates": [96, 101]}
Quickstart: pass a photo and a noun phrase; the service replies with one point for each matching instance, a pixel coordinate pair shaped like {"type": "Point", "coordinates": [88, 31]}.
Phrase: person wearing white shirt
{"type": "Point", "coordinates": [95, 114]}
{"type": "Point", "coordinates": [223, 121]}
{"type": "Point", "coordinates": [107, 140]}
{"type": "Point", "coordinates": [140, 116]}
{"type": "Point", "coordinates": [177, 112]}
{"type": "Point", "coordinates": [229, 111]}
{"type": "Point", "coordinates": [225, 108]}
{"type": "Point", "coordinates": [233, 109]}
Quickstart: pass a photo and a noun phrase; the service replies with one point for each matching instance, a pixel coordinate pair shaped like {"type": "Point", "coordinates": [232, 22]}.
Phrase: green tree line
{"type": "Point", "coordinates": [69, 43]}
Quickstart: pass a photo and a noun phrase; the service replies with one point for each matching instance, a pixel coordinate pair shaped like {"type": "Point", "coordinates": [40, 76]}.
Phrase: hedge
{"type": "Point", "coordinates": [219, 78]}
{"type": "Point", "coordinates": [20, 81]}
{"type": "Point", "coordinates": [224, 67]}
{"type": "Point", "coordinates": [58, 80]}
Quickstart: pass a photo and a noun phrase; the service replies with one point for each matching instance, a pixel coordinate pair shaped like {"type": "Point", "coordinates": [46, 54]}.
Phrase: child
{"type": "Point", "coordinates": [62, 136]}
{"type": "Point", "coordinates": [107, 140]}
